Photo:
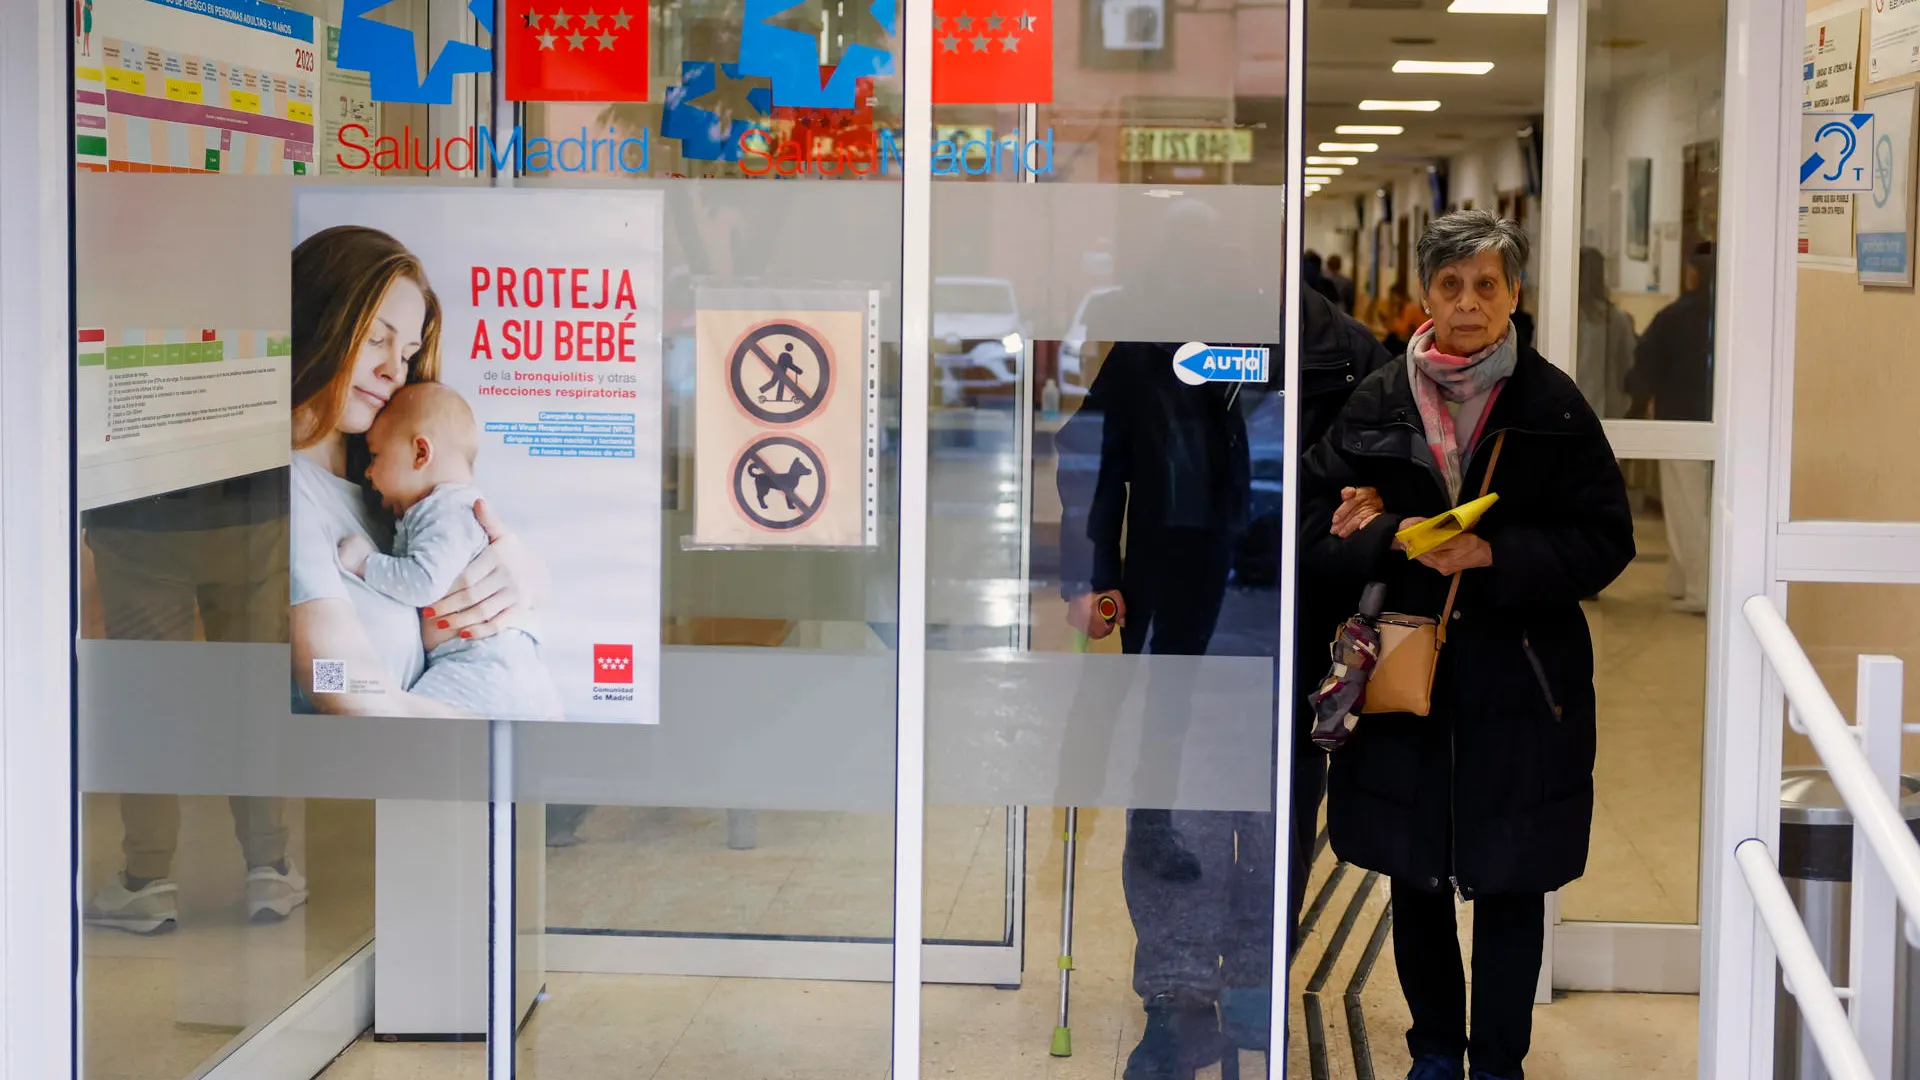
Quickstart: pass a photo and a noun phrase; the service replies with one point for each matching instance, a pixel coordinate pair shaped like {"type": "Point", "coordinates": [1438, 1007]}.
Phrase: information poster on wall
{"type": "Point", "coordinates": [144, 391]}
{"type": "Point", "coordinates": [544, 313]}
{"type": "Point", "coordinates": [1883, 253]}
{"type": "Point", "coordinates": [1894, 47]}
{"type": "Point", "coordinates": [194, 86]}
{"type": "Point", "coordinates": [346, 99]}
{"type": "Point", "coordinates": [1828, 77]}
{"type": "Point", "coordinates": [787, 402]}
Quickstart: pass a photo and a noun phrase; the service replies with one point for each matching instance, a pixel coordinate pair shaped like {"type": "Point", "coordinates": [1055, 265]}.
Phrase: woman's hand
{"type": "Point", "coordinates": [501, 583]}
{"type": "Point", "coordinates": [1405, 524]}
{"type": "Point", "coordinates": [1358, 508]}
{"type": "Point", "coordinates": [1463, 552]}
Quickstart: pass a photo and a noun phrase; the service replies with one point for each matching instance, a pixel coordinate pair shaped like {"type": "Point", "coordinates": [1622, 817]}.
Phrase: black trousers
{"type": "Point", "coordinates": [1508, 932]}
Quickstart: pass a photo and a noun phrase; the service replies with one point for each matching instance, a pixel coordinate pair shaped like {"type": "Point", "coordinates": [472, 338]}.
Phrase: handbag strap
{"type": "Point", "coordinates": [1453, 590]}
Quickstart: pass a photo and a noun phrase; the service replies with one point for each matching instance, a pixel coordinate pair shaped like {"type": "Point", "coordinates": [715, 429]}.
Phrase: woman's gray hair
{"type": "Point", "coordinates": [1466, 233]}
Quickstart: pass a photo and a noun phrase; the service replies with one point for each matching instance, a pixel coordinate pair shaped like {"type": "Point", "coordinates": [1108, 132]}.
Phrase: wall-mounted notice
{"type": "Point", "coordinates": [787, 402]}
{"type": "Point", "coordinates": [157, 409]}
{"type": "Point", "coordinates": [1894, 48]}
{"type": "Point", "coordinates": [346, 98]}
{"type": "Point", "coordinates": [547, 406]}
{"type": "Point", "coordinates": [194, 86]}
{"type": "Point", "coordinates": [1829, 65]}
{"type": "Point", "coordinates": [1883, 253]}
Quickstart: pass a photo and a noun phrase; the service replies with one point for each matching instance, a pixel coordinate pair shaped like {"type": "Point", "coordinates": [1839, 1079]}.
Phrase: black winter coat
{"type": "Point", "coordinates": [1492, 792]}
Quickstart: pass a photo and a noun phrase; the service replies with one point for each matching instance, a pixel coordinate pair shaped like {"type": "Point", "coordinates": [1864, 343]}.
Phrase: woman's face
{"type": "Point", "coordinates": [1471, 304]}
{"type": "Point", "coordinates": [380, 366]}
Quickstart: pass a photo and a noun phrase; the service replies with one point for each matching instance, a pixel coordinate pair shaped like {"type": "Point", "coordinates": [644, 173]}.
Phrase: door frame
{"type": "Point", "coordinates": [1594, 955]}
{"type": "Point", "coordinates": [39, 977]}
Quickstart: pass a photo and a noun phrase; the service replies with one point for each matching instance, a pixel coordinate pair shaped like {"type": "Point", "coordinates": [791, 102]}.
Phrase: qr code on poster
{"type": "Point", "coordinates": [329, 676]}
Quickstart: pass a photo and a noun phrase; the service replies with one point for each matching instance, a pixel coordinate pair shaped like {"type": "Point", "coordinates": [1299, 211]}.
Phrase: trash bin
{"type": "Point", "coordinates": [1816, 861]}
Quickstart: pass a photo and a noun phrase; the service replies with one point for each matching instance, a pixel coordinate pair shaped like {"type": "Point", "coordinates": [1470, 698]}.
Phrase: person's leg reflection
{"type": "Point", "coordinates": [1178, 869]}
{"type": "Point", "coordinates": [1246, 946]}
{"type": "Point", "coordinates": [1685, 487]}
{"type": "Point", "coordinates": [1179, 924]}
{"type": "Point", "coordinates": [243, 597]}
{"type": "Point", "coordinates": [146, 594]}
{"type": "Point", "coordinates": [1183, 580]}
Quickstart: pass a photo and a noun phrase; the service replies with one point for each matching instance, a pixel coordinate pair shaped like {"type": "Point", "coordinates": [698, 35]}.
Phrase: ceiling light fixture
{"type": "Point", "coordinates": [1316, 160]}
{"type": "Point", "coordinates": [1498, 7]}
{"type": "Point", "coordinates": [1369, 129]}
{"type": "Point", "coordinates": [1348, 147]}
{"type": "Point", "coordinates": [1375, 105]}
{"type": "Point", "coordinates": [1442, 67]}
{"type": "Point", "coordinates": [1323, 170]}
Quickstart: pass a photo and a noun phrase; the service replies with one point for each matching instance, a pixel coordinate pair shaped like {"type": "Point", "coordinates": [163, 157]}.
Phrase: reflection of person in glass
{"type": "Point", "coordinates": [1490, 796]}
{"type": "Point", "coordinates": [1170, 467]}
{"type": "Point", "coordinates": [1672, 379]}
{"type": "Point", "coordinates": [209, 563]}
{"type": "Point", "coordinates": [1606, 340]}
{"type": "Point", "coordinates": [366, 323]}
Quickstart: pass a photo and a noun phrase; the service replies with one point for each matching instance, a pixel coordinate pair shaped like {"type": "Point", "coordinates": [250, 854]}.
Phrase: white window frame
{"type": "Point", "coordinates": [39, 979]}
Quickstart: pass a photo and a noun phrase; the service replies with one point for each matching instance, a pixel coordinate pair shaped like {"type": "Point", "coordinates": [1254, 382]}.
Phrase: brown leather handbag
{"type": "Point", "coordinates": [1410, 645]}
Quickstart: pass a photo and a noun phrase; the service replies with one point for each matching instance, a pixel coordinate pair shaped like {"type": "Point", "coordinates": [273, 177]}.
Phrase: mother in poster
{"type": "Point", "coordinates": [374, 438]}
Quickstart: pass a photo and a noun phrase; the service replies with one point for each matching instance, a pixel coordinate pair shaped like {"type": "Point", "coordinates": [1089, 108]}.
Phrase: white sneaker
{"type": "Point", "coordinates": [152, 909]}
{"type": "Point", "coordinates": [272, 895]}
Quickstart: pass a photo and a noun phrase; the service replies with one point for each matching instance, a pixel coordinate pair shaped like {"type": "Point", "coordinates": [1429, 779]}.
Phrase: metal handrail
{"type": "Point", "coordinates": [1820, 1006]}
{"type": "Point", "coordinates": [1875, 815]}
{"type": "Point", "coordinates": [1878, 828]}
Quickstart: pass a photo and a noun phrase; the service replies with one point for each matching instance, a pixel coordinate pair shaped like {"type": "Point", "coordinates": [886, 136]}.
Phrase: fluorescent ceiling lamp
{"type": "Point", "coordinates": [1498, 7]}
{"type": "Point", "coordinates": [1369, 129]}
{"type": "Point", "coordinates": [1375, 105]}
{"type": "Point", "coordinates": [1442, 67]}
{"type": "Point", "coordinates": [1313, 160]}
{"type": "Point", "coordinates": [1323, 170]}
{"type": "Point", "coordinates": [1348, 147]}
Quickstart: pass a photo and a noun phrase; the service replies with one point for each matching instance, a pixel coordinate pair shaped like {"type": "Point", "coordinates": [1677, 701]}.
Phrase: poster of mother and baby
{"type": "Point", "coordinates": [476, 477]}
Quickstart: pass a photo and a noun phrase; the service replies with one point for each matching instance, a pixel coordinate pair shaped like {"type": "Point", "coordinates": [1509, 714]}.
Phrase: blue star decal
{"type": "Point", "coordinates": [386, 54]}
{"type": "Point", "coordinates": [791, 58]}
{"type": "Point", "coordinates": [699, 131]}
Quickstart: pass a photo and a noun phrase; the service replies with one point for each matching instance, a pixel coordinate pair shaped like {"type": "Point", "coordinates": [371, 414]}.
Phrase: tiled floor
{"type": "Point", "coordinates": [1650, 674]}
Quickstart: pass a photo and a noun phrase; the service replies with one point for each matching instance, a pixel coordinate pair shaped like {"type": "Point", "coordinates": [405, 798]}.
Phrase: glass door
{"type": "Point", "coordinates": [1641, 290]}
{"type": "Point", "coordinates": [1106, 558]}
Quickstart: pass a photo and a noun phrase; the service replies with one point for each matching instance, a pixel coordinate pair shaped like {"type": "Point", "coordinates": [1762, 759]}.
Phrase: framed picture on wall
{"type": "Point", "coordinates": [1883, 217]}
{"type": "Point", "coordinates": [1639, 206]}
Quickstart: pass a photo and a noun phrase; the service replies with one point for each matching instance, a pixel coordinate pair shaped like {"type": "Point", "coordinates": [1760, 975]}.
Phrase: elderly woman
{"type": "Point", "coordinates": [1489, 797]}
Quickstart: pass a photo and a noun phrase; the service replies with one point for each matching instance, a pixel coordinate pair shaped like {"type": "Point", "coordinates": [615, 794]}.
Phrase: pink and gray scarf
{"type": "Point", "coordinates": [1440, 378]}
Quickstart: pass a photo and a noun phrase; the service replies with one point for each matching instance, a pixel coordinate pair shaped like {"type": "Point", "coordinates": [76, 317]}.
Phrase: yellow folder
{"type": "Point", "coordinates": [1431, 533]}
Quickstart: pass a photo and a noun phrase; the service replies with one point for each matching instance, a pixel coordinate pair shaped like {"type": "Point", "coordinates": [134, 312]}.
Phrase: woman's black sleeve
{"type": "Point", "coordinates": [1324, 470]}
{"type": "Point", "coordinates": [1572, 551]}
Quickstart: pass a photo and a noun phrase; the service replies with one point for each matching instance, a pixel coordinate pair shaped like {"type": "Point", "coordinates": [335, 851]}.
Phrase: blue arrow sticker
{"type": "Point", "coordinates": [1197, 364]}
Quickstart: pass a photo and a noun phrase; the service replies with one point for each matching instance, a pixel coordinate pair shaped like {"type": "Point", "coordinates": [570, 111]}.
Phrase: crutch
{"type": "Point", "coordinates": [1063, 1034]}
{"type": "Point", "coordinates": [1070, 839]}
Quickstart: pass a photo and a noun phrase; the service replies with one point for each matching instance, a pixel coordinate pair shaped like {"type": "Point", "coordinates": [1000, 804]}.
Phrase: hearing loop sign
{"type": "Point", "coordinates": [1837, 151]}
